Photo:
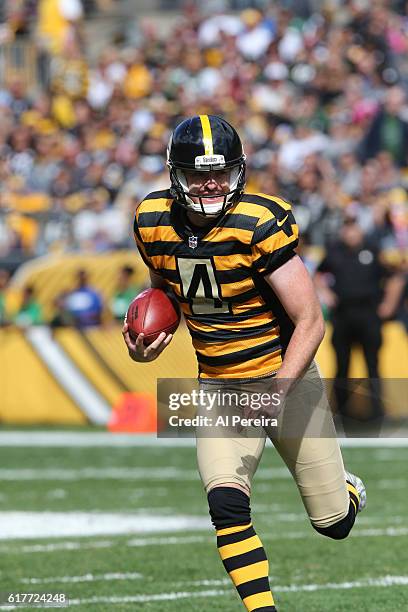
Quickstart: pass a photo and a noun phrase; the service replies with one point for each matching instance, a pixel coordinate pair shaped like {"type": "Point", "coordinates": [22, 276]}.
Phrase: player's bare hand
{"type": "Point", "coordinates": [138, 351]}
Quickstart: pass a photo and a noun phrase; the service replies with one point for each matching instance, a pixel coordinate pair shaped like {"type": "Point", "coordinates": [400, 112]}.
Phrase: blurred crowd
{"type": "Point", "coordinates": [320, 99]}
{"type": "Point", "coordinates": [81, 304]}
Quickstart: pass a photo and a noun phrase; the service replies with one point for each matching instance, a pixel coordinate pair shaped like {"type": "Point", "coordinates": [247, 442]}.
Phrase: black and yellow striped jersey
{"type": "Point", "coordinates": [238, 327]}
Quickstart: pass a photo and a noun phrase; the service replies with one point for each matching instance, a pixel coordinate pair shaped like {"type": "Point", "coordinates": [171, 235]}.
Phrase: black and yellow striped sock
{"type": "Point", "coordinates": [354, 497]}
{"type": "Point", "coordinates": [245, 560]}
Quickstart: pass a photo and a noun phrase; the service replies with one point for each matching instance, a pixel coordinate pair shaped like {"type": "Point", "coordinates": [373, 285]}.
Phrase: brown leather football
{"type": "Point", "coordinates": [150, 313]}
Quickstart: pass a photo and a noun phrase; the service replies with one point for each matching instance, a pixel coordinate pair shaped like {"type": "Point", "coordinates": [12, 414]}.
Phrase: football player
{"type": "Point", "coordinates": [253, 315]}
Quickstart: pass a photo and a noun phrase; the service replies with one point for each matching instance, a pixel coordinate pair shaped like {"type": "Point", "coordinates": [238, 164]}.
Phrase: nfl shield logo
{"type": "Point", "coordinates": [193, 242]}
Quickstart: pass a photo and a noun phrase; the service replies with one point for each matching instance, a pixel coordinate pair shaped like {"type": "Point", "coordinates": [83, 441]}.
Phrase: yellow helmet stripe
{"type": "Point", "coordinates": [207, 135]}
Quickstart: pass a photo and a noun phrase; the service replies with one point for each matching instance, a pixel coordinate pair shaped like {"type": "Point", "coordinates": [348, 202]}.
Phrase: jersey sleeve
{"type": "Point", "coordinates": [274, 240]}
{"type": "Point", "coordinates": [139, 241]}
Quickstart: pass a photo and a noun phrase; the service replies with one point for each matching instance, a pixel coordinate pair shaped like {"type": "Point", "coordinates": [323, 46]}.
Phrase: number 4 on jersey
{"type": "Point", "coordinates": [198, 283]}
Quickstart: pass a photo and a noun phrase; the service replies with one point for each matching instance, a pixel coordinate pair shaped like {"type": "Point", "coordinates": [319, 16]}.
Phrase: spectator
{"type": "Point", "coordinates": [99, 227]}
{"type": "Point", "coordinates": [30, 312]}
{"type": "Point", "coordinates": [19, 100]}
{"type": "Point", "coordinates": [57, 22]}
{"type": "Point", "coordinates": [319, 97]}
{"type": "Point", "coordinates": [351, 282]}
{"type": "Point", "coordinates": [255, 39]}
{"type": "Point", "coordinates": [4, 279]}
{"type": "Point", "coordinates": [61, 317]}
{"type": "Point", "coordinates": [389, 129]}
{"type": "Point", "coordinates": [83, 304]}
{"type": "Point", "coordinates": [126, 290]}
{"type": "Point", "coordinates": [45, 169]}
{"type": "Point", "coordinates": [349, 173]}
{"type": "Point", "coordinates": [149, 177]}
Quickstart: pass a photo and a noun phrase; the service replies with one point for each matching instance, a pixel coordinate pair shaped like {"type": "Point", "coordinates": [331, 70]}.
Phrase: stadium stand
{"type": "Point", "coordinates": [84, 130]}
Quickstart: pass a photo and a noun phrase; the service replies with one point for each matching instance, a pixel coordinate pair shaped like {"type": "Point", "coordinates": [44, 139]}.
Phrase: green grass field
{"type": "Point", "coordinates": [166, 568]}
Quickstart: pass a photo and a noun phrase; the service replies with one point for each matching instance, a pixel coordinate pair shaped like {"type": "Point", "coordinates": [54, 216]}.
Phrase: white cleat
{"type": "Point", "coordinates": [361, 490]}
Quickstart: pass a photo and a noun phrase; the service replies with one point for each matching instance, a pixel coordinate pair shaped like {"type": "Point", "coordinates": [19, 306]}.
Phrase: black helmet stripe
{"type": "Point", "coordinates": [207, 135]}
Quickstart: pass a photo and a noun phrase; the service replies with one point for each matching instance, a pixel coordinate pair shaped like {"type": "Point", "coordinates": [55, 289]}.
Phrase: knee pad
{"type": "Point", "coordinates": [229, 507]}
{"type": "Point", "coordinates": [342, 528]}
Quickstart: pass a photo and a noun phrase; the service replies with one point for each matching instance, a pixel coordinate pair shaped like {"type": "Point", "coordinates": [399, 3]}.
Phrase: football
{"type": "Point", "coordinates": [152, 312]}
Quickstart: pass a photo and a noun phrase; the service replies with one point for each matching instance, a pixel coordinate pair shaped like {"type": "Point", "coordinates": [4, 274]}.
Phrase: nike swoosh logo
{"type": "Point", "coordinates": [280, 223]}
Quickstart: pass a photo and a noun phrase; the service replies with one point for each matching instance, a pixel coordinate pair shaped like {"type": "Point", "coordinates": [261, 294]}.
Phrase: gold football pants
{"type": "Point", "coordinates": [305, 438]}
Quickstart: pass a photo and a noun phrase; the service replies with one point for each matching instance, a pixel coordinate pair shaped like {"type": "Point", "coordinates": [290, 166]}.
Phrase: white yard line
{"type": "Point", "coordinates": [139, 598]}
{"type": "Point", "coordinates": [15, 548]}
{"type": "Point", "coordinates": [205, 582]}
{"type": "Point", "coordinates": [172, 540]}
{"type": "Point", "coordinates": [67, 474]}
{"type": "Point", "coordinates": [58, 438]}
{"type": "Point", "coordinates": [154, 597]}
{"type": "Point", "coordinates": [36, 548]}
{"type": "Point", "coordinates": [392, 532]}
{"type": "Point", "coordinates": [35, 525]}
{"type": "Point", "coordinates": [384, 581]}
{"type": "Point", "coordinates": [140, 473]}
{"type": "Point", "coordinates": [380, 582]}
{"type": "Point", "coordinates": [140, 542]}
{"type": "Point", "coordinates": [397, 483]}
{"type": "Point", "coordinates": [84, 578]}
{"type": "Point", "coordinates": [87, 439]}
{"type": "Point", "coordinates": [164, 473]}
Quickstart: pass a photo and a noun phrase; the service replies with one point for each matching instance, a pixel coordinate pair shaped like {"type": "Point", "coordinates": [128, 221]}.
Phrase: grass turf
{"type": "Point", "coordinates": [297, 555]}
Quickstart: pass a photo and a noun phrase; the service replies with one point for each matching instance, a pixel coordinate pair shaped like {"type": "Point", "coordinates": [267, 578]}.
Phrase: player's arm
{"type": "Point", "coordinates": [293, 286]}
{"type": "Point", "coordinates": [138, 351]}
